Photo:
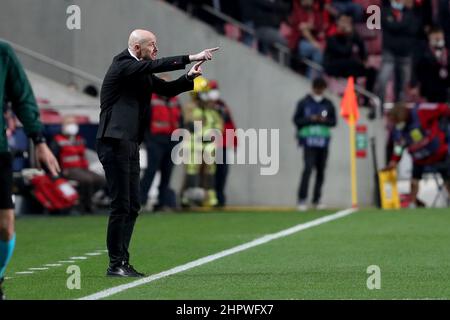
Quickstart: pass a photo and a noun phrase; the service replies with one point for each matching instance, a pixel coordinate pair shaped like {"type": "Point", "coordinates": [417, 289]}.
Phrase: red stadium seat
{"type": "Point", "coordinates": [50, 116]}
{"type": "Point", "coordinates": [82, 119]}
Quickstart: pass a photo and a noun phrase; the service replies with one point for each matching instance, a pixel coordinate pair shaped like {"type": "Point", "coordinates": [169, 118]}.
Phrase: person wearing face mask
{"type": "Point", "coordinates": [346, 54]}
{"type": "Point", "coordinates": [419, 131]}
{"type": "Point", "coordinates": [70, 149]}
{"type": "Point", "coordinates": [310, 25]}
{"type": "Point", "coordinates": [314, 117]}
{"type": "Point", "coordinates": [400, 26]}
{"type": "Point", "coordinates": [200, 176]}
{"type": "Point", "coordinates": [165, 118]}
{"type": "Point", "coordinates": [227, 144]}
{"type": "Point", "coordinates": [431, 77]}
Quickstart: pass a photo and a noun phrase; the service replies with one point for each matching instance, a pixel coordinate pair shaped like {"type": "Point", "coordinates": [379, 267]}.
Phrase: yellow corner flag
{"type": "Point", "coordinates": [350, 112]}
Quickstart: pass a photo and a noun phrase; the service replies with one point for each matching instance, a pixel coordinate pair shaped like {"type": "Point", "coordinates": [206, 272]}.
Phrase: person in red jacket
{"type": "Point", "coordinates": [70, 149]}
{"type": "Point", "coordinates": [310, 25]}
{"type": "Point", "coordinates": [166, 117]}
{"type": "Point", "coordinates": [422, 132]}
{"type": "Point", "coordinates": [227, 144]}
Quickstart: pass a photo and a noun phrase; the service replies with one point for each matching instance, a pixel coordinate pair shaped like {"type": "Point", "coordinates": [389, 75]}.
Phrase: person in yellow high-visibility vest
{"type": "Point", "coordinates": [200, 174]}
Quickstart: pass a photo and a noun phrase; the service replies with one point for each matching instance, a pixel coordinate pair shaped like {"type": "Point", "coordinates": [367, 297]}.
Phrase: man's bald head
{"type": "Point", "coordinates": [143, 44]}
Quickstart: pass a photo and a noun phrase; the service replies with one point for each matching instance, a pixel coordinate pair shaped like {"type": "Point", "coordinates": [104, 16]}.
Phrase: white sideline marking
{"type": "Point", "coordinates": [190, 265]}
{"type": "Point", "coordinates": [94, 254]}
{"type": "Point", "coordinates": [50, 265]}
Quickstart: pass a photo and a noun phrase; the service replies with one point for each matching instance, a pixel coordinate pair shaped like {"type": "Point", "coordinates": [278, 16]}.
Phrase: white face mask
{"type": "Point", "coordinates": [317, 98]}
{"type": "Point", "coordinates": [397, 5]}
{"type": "Point", "coordinates": [70, 129]}
{"type": "Point", "coordinates": [203, 96]}
{"type": "Point", "coordinates": [214, 95]}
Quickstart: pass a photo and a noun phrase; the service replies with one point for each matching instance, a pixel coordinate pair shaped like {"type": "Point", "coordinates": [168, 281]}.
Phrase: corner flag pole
{"type": "Point", "coordinates": [352, 135]}
{"type": "Point", "coordinates": [350, 112]}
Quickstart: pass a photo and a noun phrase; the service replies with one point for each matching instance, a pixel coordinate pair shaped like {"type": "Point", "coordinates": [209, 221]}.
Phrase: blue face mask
{"type": "Point", "coordinates": [397, 5]}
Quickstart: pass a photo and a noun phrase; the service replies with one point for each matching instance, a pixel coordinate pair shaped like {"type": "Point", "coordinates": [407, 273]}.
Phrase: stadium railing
{"type": "Point", "coordinates": [54, 63]}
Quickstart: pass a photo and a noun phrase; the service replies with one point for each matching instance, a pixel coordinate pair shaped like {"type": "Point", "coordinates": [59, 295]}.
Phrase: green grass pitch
{"type": "Point", "coordinates": [328, 261]}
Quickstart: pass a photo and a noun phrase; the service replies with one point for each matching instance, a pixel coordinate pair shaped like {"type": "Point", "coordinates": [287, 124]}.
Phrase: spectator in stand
{"type": "Point", "coordinates": [443, 19]}
{"type": "Point", "coordinates": [400, 27]}
{"type": "Point", "coordinates": [228, 7]}
{"type": "Point", "coordinates": [346, 54]}
{"type": "Point", "coordinates": [265, 16]}
{"type": "Point", "coordinates": [228, 143]}
{"type": "Point", "coordinates": [347, 7]}
{"type": "Point", "coordinates": [432, 69]}
{"type": "Point", "coordinates": [310, 24]}
{"type": "Point", "coordinates": [166, 117]}
{"type": "Point", "coordinates": [70, 149]}
{"type": "Point", "coordinates": [314, 117]}
{"type": "Point", "coordinates": [424, 11]}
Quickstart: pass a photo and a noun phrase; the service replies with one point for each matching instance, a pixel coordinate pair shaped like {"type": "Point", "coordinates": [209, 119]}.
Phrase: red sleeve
{"type": "Point", "coordinates": [427, 115]}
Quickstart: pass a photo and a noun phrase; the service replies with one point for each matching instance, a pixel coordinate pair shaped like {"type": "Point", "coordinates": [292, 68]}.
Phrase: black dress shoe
{"type": "Point", "coordinates": [120, 271]}
{"type": "Point", "coordinates": [2, 295]}
{"type": "Point", "coordinates": [132, 270]}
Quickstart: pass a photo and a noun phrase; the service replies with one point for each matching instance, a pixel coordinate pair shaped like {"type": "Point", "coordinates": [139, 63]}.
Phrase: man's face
{"type": "Point", "coordinates": [399, 1]}
{"type": "Point", "coordinates": [148, 49]}
{"type": "Point", "coordinates": [318, 91]}
{"type": "Point", "coordinates": [306, 3]}
{"type": "Point", "coordinates": [437, 40]}
{"type": "Point", "coordinates": [400, 118]}
{"type": "Point", "coordinates": [344, 24]}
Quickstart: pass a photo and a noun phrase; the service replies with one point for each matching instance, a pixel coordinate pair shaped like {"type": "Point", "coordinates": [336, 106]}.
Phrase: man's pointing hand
{"type": "Point", "coordinates": [204, 55]}
{"type": "Point", "coordinates": [196, 70]}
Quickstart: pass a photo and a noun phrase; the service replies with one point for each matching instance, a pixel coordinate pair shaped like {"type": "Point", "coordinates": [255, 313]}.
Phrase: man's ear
{"type": "Point", "coordinates": [137, 50]}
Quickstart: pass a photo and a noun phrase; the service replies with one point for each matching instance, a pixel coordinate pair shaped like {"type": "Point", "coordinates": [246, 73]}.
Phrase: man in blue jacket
{"type": "Point", "coordinates": [314, 117]}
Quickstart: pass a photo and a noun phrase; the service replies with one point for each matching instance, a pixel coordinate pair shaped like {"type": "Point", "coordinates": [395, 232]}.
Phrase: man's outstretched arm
{"type": "Point", "coordinates": [182, 84]}
{"type": "Point", "coordinates": [131, 67]}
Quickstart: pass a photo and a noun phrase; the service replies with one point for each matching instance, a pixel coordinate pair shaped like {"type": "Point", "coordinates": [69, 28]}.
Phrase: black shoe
{"type": "Point", "coordinates": [2, 295]}
{"type": "Point", "coordinates": [120, 271]}
{"type": "Point", "coordinates": [420, 204]}
{"type": "Point", "coordinates": [132, 270]}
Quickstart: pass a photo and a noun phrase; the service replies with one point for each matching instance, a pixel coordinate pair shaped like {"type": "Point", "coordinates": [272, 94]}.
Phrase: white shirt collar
{"type": "Point", "coordinates": [132, 54]}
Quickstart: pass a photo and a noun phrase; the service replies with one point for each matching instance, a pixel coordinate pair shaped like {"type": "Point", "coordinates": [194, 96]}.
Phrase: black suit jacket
{"type": "Point", "coordinates": [127, 90]}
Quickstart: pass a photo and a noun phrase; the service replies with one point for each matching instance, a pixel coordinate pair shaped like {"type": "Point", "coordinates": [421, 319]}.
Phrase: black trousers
{"type": "Point", "coordinates": [120, 160]}
{"type": "Point", "coordinates": [221, 178]}
{"type": "Point", "coordinates": [6, 181]}
{"type": "Point", "coordinates": [350, 67]}
{"type": "Point", "coordinates": [159, 158]}
{"type": "Point", "coordinates": [314, 158]}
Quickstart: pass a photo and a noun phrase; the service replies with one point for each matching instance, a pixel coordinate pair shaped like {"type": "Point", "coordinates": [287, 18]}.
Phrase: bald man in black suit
{"type": "Point", "coordinates": [125, 102]}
